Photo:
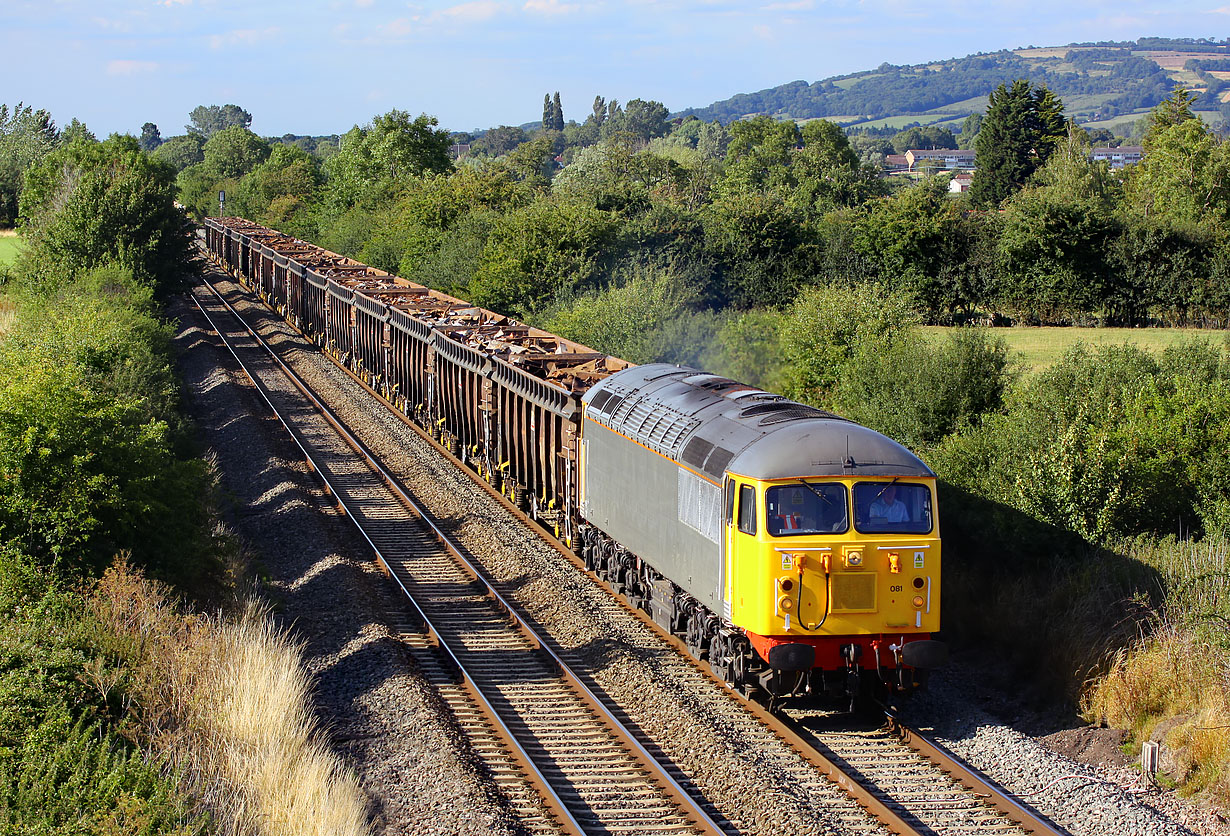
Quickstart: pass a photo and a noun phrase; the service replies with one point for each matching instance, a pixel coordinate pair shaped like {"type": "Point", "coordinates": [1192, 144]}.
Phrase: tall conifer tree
{"type": "Point", "coordinates": [1021, 129]}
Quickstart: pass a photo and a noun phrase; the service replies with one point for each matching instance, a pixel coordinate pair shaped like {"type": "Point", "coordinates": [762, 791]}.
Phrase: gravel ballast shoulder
{"type": "Point", "coordinates": [387, 724]}
{"type": "Point", "coordinates": [1084, 798]}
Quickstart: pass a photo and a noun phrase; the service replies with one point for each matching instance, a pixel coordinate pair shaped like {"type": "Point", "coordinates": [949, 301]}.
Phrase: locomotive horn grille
{"type": "Point", "coordinates": [854, 592]}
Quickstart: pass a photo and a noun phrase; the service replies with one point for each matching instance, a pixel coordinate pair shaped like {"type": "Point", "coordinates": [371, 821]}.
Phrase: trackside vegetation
{"type": "Point", "coordinates": [120, 711]}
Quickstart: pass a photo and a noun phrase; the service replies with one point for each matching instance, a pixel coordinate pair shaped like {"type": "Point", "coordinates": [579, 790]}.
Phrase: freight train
{"type": "Point", "coordinates": [795, 552]}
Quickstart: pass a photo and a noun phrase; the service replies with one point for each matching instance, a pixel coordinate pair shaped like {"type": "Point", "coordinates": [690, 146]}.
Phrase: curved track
{"type": "Point", "coordinates": [906, 782]}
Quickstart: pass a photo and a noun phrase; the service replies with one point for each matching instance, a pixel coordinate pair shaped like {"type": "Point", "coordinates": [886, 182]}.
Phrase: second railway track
{"type": "Point", "coordinates": [901, 807]}
{"type": "Point", "coordinates": [594, 776]}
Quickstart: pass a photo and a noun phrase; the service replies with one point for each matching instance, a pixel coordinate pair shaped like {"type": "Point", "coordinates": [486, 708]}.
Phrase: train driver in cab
{"type": "Point", "coordinates": [888, 508]}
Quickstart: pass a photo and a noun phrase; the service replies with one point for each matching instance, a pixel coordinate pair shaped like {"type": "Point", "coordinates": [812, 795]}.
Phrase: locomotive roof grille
{"type": "Point", "coordinates": [787, 413]}
{"type": "Point", "coordinates": [599, 400]}
{"type": "Point", "coordinates": [695, 451]}
{"type": "Point", "coordinates": [715, 465]}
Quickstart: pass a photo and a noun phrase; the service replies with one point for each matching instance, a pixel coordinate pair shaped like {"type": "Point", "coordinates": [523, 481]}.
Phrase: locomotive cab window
{"type": "Point", "coordinates": [806, 508]}
{"type": "Point", "coordinates": [892, 508]}
{"type": "Point", "coordinates": [747, 509]}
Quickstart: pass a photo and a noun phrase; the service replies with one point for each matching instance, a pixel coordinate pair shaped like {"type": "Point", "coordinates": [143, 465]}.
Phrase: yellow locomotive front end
{"type": "Point", "coordinates": [832, 577]}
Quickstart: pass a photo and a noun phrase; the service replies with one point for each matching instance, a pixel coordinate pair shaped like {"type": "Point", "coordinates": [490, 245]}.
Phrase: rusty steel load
{"type": "Point", "coordinates": [501, 395]}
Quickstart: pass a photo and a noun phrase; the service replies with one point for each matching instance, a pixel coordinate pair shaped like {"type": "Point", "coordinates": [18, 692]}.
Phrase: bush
{"type": "Point", "coordinates": [64, 691]}
{"type": "Point", "coordinates": [649, 319]}
{"type": "Point", "coordinates": [917, 392]}
{"type": "Point", "coordinates": [88, 465]}
{"type": "Point", "coordinates": [91, 203]}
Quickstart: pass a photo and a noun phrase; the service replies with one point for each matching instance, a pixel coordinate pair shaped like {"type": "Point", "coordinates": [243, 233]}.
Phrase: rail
{"type": "Point", "coordinates": [564, 788]}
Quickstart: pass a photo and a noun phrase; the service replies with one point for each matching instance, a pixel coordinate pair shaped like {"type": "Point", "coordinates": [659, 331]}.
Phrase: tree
{"type": "Point", "coordinates": [557, 114]}
{"type": "Point", "coordinates": [234, 151]}
{"type": "Point", "coordinates": [497, 142]}
{"type": "Point", "coordinates": [150, 137]}
{"type": "Point", "coordinates": [87, 204]}
{"type": "Point", "coordinates": [375, 161]}
{"type": "Point", "coordinates": [403, 147]}
{"type": "Point", "coordinates": [599, 114]}
{"type": "Point", "coordinates": [548, 116]}
{"type": "Point", "coordinates": [207, 120]}
{"type": "Point", "coordinates": [1175, 108]}
{"type": "Point", "coordinates": [969, 131]}
{"type": "Point", "coordinates": [1185, 177]}
{"type": "Point", "coordinates": [643, 119]}
{"type": "Point", "coordinates": [76, 131]}
{"type": "Point", "coordinates": [182, 151]}
{"type": "Point", "coordinates": [26, 136]}
{"type": "Point", "coordinates": [1021, 128]}
{"type": "Point", "coordinates": [923, 138]}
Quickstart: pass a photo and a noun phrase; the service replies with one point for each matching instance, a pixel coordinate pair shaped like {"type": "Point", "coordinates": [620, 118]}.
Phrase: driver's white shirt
{"type": "Point", "coordinates": [895, 513]}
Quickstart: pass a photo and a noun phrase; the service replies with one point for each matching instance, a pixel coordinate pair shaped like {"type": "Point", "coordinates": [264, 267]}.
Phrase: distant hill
{"type": "Point", "coordinates": [1100, 83]}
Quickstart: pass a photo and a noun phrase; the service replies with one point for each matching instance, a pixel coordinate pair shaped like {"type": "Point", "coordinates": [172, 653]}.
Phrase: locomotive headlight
{"type": "Point", "coordinates": [854, 559]}
{"type": "Point", "coordinates": [918, 602]}
{"type": "Point", "coordinates": [785, 603]}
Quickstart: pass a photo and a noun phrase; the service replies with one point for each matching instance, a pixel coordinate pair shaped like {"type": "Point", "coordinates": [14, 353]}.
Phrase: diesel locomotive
{"type": "Point", "coordinates": [797, 552]}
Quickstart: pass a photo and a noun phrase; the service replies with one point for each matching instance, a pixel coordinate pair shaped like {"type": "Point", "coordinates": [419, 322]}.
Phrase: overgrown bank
{"type": "Point", "coordinates": [120, 712]}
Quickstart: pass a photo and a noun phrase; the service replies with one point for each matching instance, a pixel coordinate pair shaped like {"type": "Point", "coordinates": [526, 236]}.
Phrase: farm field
{"type": "Point", "coordinates": [9, 245]}
{"type": "Point", "coordinates": [1037, 348]}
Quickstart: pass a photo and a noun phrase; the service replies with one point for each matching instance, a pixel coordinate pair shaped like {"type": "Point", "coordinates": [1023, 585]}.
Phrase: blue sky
{"type": "Point", "coordinates": [321, 67]}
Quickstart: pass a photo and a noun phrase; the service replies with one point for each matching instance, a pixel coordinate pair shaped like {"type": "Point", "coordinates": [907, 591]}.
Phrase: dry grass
{"type": "Point", "coordinates": [1174, 684]}
{"type": "Point", "coordinates": [1172, 688]}
{"type": "Point", "coordinates": [8, 315]}
{"type": "Point", "coordinates": [227, 699]}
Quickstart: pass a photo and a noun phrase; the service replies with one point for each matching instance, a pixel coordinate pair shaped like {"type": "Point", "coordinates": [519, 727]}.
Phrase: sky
{"type": "Point", "coordinates": [306, 67]}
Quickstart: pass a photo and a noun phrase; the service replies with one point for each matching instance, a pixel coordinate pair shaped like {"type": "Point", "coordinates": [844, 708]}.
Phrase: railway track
{"type": "Point", "coordinates": [883, 769]}
{"type": "Point", "coordinates": [591, 773]}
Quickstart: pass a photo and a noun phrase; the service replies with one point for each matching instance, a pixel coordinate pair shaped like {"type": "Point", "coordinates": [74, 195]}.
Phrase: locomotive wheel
{"type": "Point", "coordinates": [719, 658]}
{"type": "Point", "coordinates": [696, 635]}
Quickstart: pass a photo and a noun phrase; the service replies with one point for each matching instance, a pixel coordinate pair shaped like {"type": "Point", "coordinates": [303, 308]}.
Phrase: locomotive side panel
{"type": "Point", "coordinates": [664, 514]}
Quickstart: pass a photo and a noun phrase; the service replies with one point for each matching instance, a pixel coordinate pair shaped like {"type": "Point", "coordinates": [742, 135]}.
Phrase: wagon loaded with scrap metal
{"type": "Point", "coordinates": [797, 552]}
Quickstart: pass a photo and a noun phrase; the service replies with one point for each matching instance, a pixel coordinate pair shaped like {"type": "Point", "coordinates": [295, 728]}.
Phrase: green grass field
{"type": "Point", "coordinates": [9, 245]}
{"type": "Point", "coordinates": [1037, 348]}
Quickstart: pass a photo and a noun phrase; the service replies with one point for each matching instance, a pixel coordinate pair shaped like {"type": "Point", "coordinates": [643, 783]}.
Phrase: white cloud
{"type": "Point", "coordinates": [243, 37]}
{"type": "Point", "coordinates": [796, 6]}
{"type": "Point", "coordinates": [550, 7]}
{"type": "Point", "coordinates": [363, 4]}
{"type": "Point", "coordinates": [111, 24]}
{"type": "Point", "coordinates": [475, 12]}
{"type": "Point", "coordinates": [1224, 10]}
{"type": "Point", "coordinates": [130, 67]}
{"type": "Point", "coordinates": [170, 3]}
{"type": "Point", "coordinates": [401, 27]}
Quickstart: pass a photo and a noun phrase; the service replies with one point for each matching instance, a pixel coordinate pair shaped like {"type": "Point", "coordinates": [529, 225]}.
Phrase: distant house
{"type": "Point", "coordinates": [895, 162]}
{"type": "Point", "coordinates": [459, 149]}
{"type": "Point", "coordinates": [944, 159]}
{"type": "Point", "coordinates": [959, 183]}
{"type": "Point", "coordinates": [1120, 157]}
